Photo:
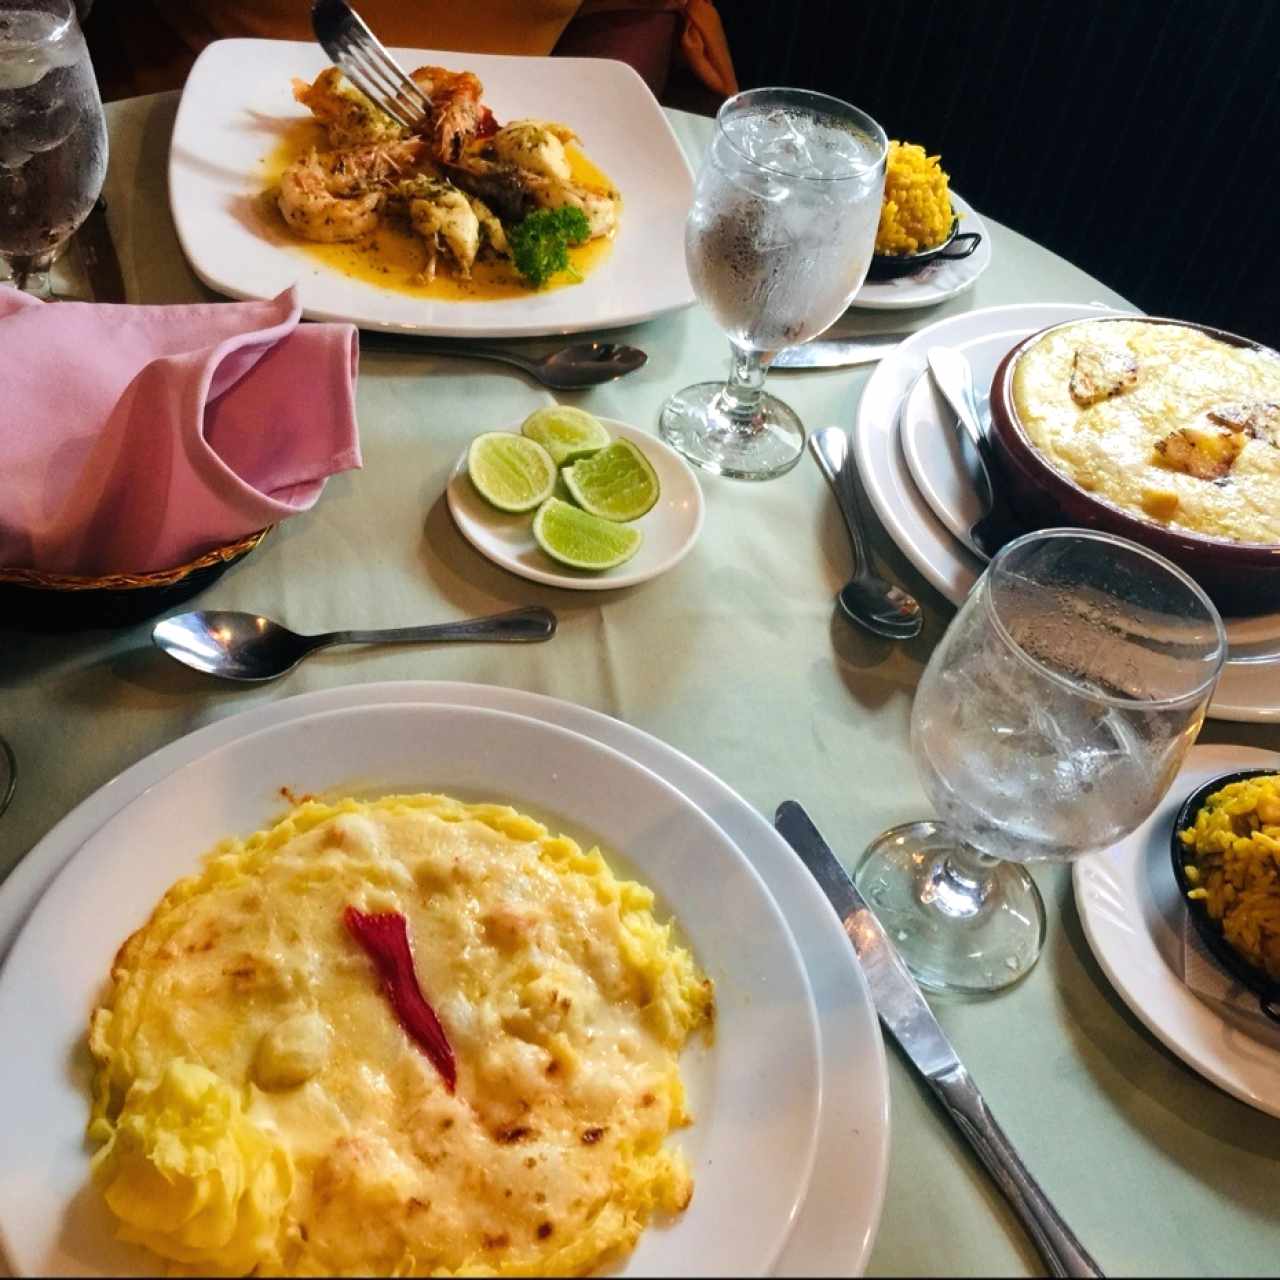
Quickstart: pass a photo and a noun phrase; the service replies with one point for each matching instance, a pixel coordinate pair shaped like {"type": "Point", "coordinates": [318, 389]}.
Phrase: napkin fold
{"type": "Point", "coordinates": [136, 438]}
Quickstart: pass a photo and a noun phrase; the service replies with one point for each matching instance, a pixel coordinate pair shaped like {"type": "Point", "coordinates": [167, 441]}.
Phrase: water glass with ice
{"type": "Point", "coordinates": [777, 242]}
{"type": "Point", "coordinates": [1050, 721]}
{"type": "Point", "coordinates": [53, 136]}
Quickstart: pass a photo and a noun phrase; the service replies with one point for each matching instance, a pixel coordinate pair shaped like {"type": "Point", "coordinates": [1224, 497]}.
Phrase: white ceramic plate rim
{"type": "Point", "coordinates": [888, 295]}
{"type": "Point", "coordinates": [1114, 900]}
{"type": "Point", "coordinates": [236, 95]}
{"type": "Point", "coordinates": [837, 1224]}
{"type": "Point", "coordinates": [763, 997]}
{"type": "Point", "coordinates": [1246, 691]}
{"type": "Point", "coordinates": [497, 536]}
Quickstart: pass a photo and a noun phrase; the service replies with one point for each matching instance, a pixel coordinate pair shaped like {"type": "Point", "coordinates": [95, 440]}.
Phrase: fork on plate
{"type": "Point", "coordinates": [362, 58]}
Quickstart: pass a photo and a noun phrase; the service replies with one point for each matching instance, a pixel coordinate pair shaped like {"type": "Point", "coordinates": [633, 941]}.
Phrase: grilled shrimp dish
{"type": "Point", "coordinates": [460, 181]}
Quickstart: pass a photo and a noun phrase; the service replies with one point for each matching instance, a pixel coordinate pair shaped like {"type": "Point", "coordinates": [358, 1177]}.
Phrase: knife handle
{"type": "Point", "coordinates": [1063, 1254]}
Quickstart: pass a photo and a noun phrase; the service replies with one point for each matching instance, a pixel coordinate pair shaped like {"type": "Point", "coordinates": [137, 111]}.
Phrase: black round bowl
{"type": "Point", "coordinates": [886, 266]}
{"type": "Point", "coordinates": [1253, 979]}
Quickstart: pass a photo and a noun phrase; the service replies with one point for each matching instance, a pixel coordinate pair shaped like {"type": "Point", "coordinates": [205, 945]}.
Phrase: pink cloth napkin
{"type": "Point", "coordinates": [136, 438]}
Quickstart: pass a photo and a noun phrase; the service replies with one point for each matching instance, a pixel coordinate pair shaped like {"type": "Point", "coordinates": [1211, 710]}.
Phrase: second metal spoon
{"type": "Point", "coordinates": [245, 646]}
{"type": "Point", "coordinates": [866, 598]}
{"type": "Point", "coordinates": [582, 364]}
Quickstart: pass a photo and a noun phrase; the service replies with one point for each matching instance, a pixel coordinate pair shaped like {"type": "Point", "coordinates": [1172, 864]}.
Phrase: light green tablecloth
{"type": "Point", "coordinates": [735, 657]}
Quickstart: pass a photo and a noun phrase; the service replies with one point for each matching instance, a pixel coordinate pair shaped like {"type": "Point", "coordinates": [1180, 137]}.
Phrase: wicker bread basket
{"type": "Point", "coordinates": [32, 599]}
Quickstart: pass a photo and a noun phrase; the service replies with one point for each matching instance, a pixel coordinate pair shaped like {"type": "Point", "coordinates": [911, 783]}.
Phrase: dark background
{"type": "Point", "coordinates": [1139, 140]}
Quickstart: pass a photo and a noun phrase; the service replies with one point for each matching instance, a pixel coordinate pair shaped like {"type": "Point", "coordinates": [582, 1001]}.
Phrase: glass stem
{"type": "Point", "coordinates": [741, 395]}
{"type": "Point", "coordinates": [30, 272]}
{"type": "Point", "coordinates": [962, 881]}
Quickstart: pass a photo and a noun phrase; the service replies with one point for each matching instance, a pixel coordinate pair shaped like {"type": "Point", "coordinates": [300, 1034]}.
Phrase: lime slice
{"type": "Point", "coordinates": [584, 541]}
{"type": "Point", "coordinates": [618, 483]}
{"type": "Point", "coordinates": [509, 471]}
{"type": "Point", "coordinates": [564, 432]}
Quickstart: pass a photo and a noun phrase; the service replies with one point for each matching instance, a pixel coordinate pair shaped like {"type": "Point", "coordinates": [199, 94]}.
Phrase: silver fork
{"type": "Point", "coordinates": [345, 37]}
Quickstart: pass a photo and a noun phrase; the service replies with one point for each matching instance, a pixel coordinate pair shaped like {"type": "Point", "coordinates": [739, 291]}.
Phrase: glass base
{"type": "Point", "coordinates": [694, 425]}
{"type": "Point", "coordinates": [957, 932]}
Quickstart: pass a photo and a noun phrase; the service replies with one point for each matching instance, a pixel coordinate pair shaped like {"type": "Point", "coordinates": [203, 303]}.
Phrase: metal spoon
{"type": "Point", "coordinates": [244, 646]}
{"type": "Point", "coordinates": [583, 364]}
{"type": "Point", "coordinates": [866, 598]}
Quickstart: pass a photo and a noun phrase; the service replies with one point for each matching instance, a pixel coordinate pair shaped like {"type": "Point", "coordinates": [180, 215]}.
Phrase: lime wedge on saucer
{"type": "Point", "coordinates": [509, 471]}
{"type": "Point", "coordinates": [564, 432]}
{"type": "Point", "coordinates": [618, 483]}
{"type": "Point", "coordinates": [583, 541]}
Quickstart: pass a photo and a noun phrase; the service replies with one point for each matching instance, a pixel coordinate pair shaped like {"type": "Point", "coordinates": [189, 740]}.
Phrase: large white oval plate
{"type": "Point", "coordinates": [756, 1094]}
{"type": "Point", "coordinates": [237, 102]}
{"type": "Point", "coordinates": [1132, 915]}
{"type": "Point", "coordinates": [670, 529]}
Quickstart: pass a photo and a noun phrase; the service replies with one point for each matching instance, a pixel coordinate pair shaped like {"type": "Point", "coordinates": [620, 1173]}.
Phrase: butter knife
{"type": "Point", "coordinates": [98, 254]}
{"type": "Point", "coordinates": [903, 1010]}
{"type": "Point", "coordinates": [834, 353]}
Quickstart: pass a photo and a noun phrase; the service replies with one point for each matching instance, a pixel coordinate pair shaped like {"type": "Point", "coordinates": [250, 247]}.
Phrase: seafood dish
{"type": "Point", "coordinates": [469, 189]}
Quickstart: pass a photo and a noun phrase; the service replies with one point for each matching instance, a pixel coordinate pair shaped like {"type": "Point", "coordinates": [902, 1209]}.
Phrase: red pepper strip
{"type": "Point", "coordinates": [385, 937]}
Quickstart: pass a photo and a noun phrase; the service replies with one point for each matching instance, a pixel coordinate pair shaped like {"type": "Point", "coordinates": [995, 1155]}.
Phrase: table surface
{"type": "Point", "coordinates": [757, 677]}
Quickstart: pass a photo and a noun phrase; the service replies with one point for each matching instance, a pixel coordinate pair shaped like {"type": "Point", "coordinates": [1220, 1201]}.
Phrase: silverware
{"type": "Point", "coordinates": [834, 353]}
{"type": "Point", "coordinates": [345, 37]}
{"type": "Point", "coordinates": [98, 253]}
{"type": "Point", "coordinates": [953, 376]}
{"type": "Point", "coordinates": [866, 598]}
{"type": "Point", "coordinates": [583, 364]}
{"type": "Point", "coordinates": [910, 1021]}
{"type": "Point", "coordinates": [244, 646]}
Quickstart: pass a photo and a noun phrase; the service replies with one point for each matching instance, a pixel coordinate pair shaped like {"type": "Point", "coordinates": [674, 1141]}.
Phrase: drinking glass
{"type": "Point", "coordinates": [53, 136]}
{"type": "Point", "coordinates": [1049, 722]}
{"type": "Point", "coordinates": [777, 242]}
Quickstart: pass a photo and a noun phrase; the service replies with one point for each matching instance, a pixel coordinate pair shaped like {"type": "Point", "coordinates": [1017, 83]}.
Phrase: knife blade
{"type": "Point", "coordinates": [909, 1020]}
{"type": "Point", "coordinates": [98, 253]}
{"type": "Point", "coordinates": [835, 353]}
{"type": "Point", "coordinates": [953, 377]}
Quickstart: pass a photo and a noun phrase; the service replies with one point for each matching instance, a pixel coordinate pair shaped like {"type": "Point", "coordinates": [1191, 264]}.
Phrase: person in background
{"type": "Point", "coordinates": [677, 46]}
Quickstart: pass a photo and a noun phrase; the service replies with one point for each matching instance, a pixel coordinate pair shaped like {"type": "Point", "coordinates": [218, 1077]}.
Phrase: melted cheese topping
{"type": "Point", "coordinates": [1110, 448]}
{"type": "Point", "coordinates": [251, 1065]}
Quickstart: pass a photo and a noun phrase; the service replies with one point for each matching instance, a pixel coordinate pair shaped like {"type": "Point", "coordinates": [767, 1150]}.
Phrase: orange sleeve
{"type": "Point", "coordinates": [704, 46]}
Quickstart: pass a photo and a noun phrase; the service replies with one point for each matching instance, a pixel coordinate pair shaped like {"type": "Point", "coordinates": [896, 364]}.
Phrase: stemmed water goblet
{"type": "Point", "coordinates": [1050, 721]}
{"type": "Point", "coordinates": [777, 242]}
{"type": "Point", "coordinates": [53, 136]}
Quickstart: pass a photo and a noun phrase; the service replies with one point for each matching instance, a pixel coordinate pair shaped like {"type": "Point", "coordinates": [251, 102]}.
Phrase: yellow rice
{"type": "Point", "coordinates": [1235, 866]}
{"type": "Point", "coordinates": [916, 213]}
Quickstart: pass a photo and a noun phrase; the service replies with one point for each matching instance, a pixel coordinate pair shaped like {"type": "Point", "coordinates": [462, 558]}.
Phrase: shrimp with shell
{"type": "Point", "coordinates": [334, 196]}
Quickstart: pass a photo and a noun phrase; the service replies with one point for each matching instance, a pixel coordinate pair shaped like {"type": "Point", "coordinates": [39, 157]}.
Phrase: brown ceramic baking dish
{"type": "Point", "coordinates": [1241, 578]}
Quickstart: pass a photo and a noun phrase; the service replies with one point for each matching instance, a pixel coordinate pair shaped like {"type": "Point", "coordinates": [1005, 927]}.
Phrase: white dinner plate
{"type": "Point", "coordinates": [835, 1227]}
{"type": "Point", "coordinates": [908, 460]}
{"type": "Point", "coordinates": [1132, 913]}
{"type": "Point", "coordinates": [238, 101]}
{"type": "Point", "coordinates": [670, 527]}
{"type": "Point", "coordinates": [755, 1093]}
{"type": "Point", "coordinates": [936, 281]}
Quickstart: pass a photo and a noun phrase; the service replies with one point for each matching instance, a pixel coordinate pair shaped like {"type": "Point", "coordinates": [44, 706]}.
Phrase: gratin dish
{"type": "Point", "coordinates": [888, 266]}
{"type": "Point", "coordinates": [34, 600]}
{"type": "Point", "coordinates": [1252, 978]}
{"type": "Point", "coordinates": [1240, 577]}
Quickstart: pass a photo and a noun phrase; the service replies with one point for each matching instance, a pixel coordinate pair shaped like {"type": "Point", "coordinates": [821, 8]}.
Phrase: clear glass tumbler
{"type": "Point", "coordinates": [53, 136]}
{"type": "Point", "coordinates": [1050, 721]}
{"type": "Point", "coordinates": [777, 242]}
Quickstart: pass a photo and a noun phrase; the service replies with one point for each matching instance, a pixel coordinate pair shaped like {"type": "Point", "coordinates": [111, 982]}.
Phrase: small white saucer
{"type": "Point", "coordinates": [1132, 914]}
{"type": "Point", "coordinates": [670, 529]}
